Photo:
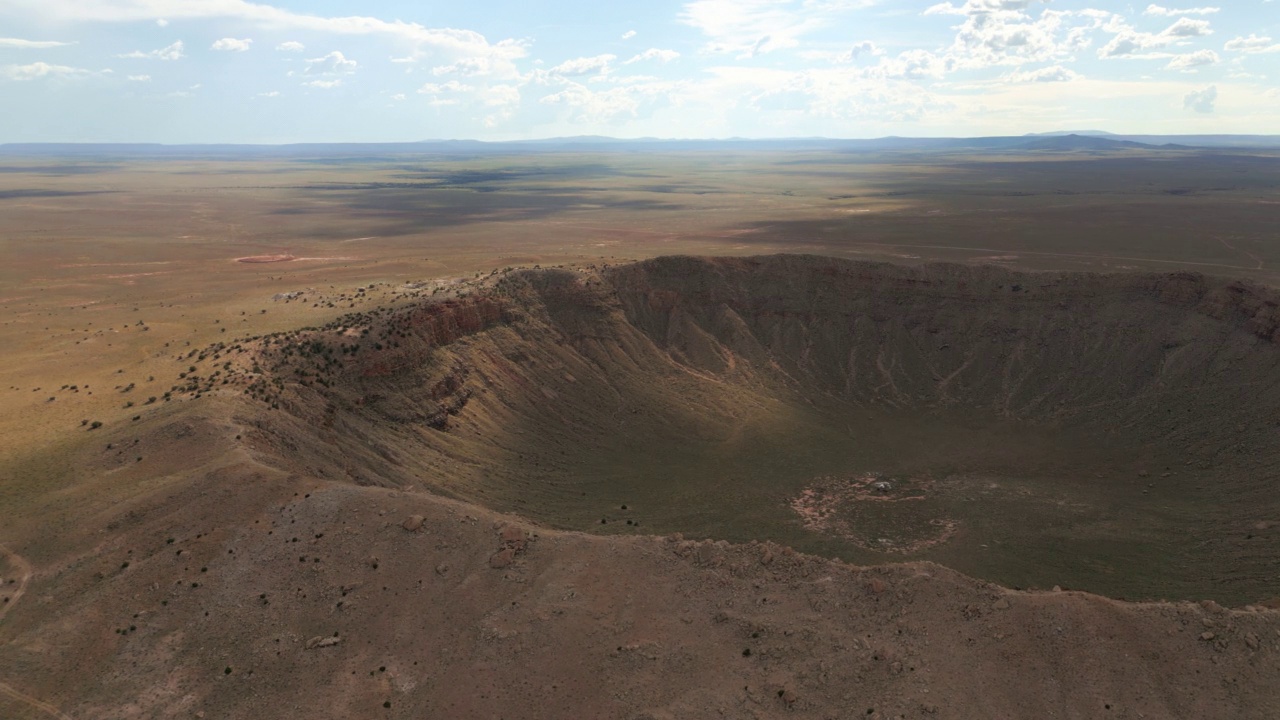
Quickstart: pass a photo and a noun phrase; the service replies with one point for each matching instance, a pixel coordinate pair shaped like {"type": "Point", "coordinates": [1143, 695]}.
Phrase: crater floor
{"type": "Point", "coordinates": [1111, 433]}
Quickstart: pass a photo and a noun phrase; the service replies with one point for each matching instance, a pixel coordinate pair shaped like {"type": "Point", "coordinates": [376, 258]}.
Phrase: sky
{"type": "Point", "coordinates": [232, 71]}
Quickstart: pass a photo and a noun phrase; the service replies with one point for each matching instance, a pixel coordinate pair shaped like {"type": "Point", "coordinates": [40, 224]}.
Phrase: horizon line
{"type": "Point", "coordinates": [1099, 134]}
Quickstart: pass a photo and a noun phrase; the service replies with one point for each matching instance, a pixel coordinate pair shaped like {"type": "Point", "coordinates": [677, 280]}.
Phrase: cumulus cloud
{"type": "Point", "coordinates": [139, 78]}
{"type": "Point", "coordinates": [584, 65]}
{"type": "Point", "coordinates": [38, 70]}
{"type": "Point", "coordinates": [162, 22]}
{"type": "Point", "coordinates": [1172, 12]}
{"type": "Point", "coordinates": [1004, 32]}
{"type": "Point", "coordinates": [1130, 42]}
{"type": "Point", "coordinates": [269, 94]}
{"type": "Point", "coordinates": [1201, 101]}
{"type": "Point", "coordinates": [31, 44]}
{"type": "Point", "coordinates": [170, 52]}
{"type": "Point", "coordinates": [291, 46]}
{"type": "Point", "coordinates": [911, 65]}
{"type": "Point", "coordinates": [323, 84]}
{"type": "Point", "coordinates": [335, 63]}
{"type": "Point", "coordinates": [1253, 45]}
{"type": "Point", "coordinates": [1187, 62]}
{"type": "Point", "coordinates": [866, 47]}
{"type": "Point", "coordinates": [662, 56]}
{"type": "Point", "coordinates": [1186, 27]}
{"type": "Point", "coordinates": [628, 34]}
{"type": "Point", "coordinates": [231, 45]}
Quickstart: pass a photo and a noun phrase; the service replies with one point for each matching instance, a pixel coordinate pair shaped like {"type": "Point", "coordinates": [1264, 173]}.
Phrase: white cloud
{"type": "Point", "coordinates": [31, 44]}
{"type": "Point", "coordinates": [628, 34]}
{"type": "Point", "coordinates": [1201, 101]}
{"type": "Point", "coordinates": [270, 94]}
{"type": "Point", "coordinates": [1187, 62]}
{"type": "Point", "coordinates": [584, 65]}
{"type": "Point", "coordinates": [1171, 12]}
{"type": "Point", "coordinates": [323, 84]}
{"type": "Point", "coordinates": [866, 47]}
{"type": "Point", "coordinates": [447, 93]}
{"type": "Point", "coordinates": [1003, 32]}
{"type": "Point", "coordinates": [291, 46]}
{"type": "Point", "coordinates": [753, 27]}
{"type": "Point", "coordinates": [1186, 27]}
{"type": "Point", "coordinates": [663, 56]}
{"type": "Point", "coordinates": [840, 93]}
{"type": "Point", "coordinates": [453, 86]}
{"type": "Point", "coordinates": [162, 22]}
{"type": "Point", "coordinates": [627, 100]}
{"type": "Point", "coordinates": [911, 65]}
{"type": "Point", "coordinates": [171, 52]}
{"type": "Point", "coordinates": [496, 103]}
{"type": "Point", "coordinates": [335, 63]}
{"type": "Point", "coordinates": [447, 44]}
{"type": "Point", "coordinates": [1253, 45]}
{"type": "Point", "coordinates": [231, 45]}
{"type": "Point", "coordinates": [1053, 73]}
{"type": "Point", "coordinates": [139, 78]}
{"type": "Point", "coordinates": [37, 70]}
{"type": "Point", "coordinates": [466, 67]}
{"type": "Point", "coordinates": [980, 7]}
{"type": "Point", "coordinates": [1132, 43]}
{"type": "Point", "coordinates": [398, 97]}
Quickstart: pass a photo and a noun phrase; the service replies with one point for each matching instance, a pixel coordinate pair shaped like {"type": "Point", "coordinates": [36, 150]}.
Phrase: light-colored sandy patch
{"type": "Point", "coordinates": [130, 275]}
{"type": "Point", "coordinates": [831, 506]}
{"type": "Point", "coordinates": [265, 258]}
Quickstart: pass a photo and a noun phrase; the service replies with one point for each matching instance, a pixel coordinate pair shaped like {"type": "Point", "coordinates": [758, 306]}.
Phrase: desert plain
{"type": "Point", "coordinates": [726, 431]}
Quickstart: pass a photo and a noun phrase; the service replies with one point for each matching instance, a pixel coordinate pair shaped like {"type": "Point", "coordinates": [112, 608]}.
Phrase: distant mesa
{"type": "Point", "coordinates": [265, 258]}
{"type": "Point", "coordinates": [1081, 142]}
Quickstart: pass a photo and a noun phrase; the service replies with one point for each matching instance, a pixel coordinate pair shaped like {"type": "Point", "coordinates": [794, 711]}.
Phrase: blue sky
{"type": "Point", "coordinates": [377, 70]}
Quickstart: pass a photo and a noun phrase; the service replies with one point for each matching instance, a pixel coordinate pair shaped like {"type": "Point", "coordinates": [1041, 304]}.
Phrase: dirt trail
{"type": "Point", "coordinates": [43, 707]}
{"type": "Point", "coordinates": [24, 568]}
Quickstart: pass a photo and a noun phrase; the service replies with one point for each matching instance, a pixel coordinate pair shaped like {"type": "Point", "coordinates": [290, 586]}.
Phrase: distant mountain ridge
{"type": "Point", "coordinates": [1095, 141]}
{"type": "Point", "coordinates": [1056, 133]}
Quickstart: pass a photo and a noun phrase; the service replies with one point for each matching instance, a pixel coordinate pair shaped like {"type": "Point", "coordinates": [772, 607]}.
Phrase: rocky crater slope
{"type": "Point", "coordinates": [1116, 433]}
{"type": "Point", "coordinates": [687, 487]}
